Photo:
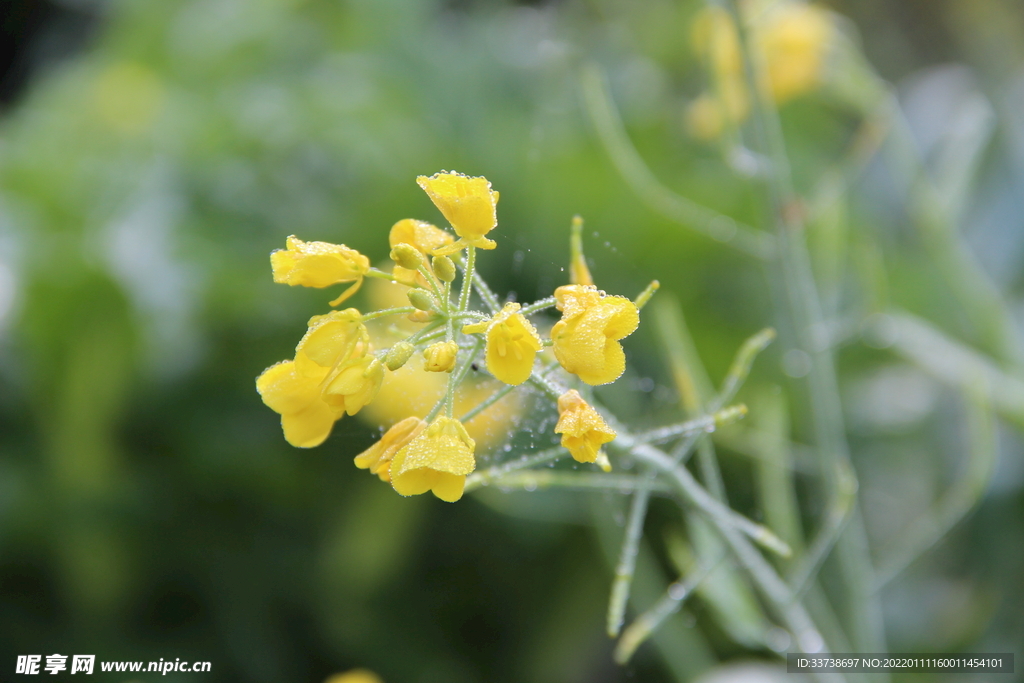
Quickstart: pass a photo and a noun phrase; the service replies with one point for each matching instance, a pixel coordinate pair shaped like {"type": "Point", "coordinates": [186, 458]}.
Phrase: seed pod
{"type": "Point", "coordinates": [399, 354]}
{"type": "Point", "coordinates": [444, 268]}
{"type": "Point", "coordinates": [421, 300]}
{"type": "Point", "coordinates": [407, 256]}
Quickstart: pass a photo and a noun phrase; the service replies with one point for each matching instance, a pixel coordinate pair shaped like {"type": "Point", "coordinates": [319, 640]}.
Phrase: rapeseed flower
{"type": "Point", "coordinates": [437, 460]}
{"type": "Point", "coordinates": [792, 41]}
{"type": "Point", "coordinates": [330, 358]}
{"type": "Point", "coordinates": [353, 383]}
{"type": "Point", "coordinates": [512, 344]}
{"type": "Point", "coordinates": [586, 338]}
{"type": "Point", "coordinates": [377, 458]}
{"type": "Point", "coordinates": [440, 357]}
{"type": "Point", "coordinates": [319, 264]}
{"type": "Point", "coordinates": [582, 428]}
{"type": "Point", "coordinates": [468, 203]}
{"type": "Point", "coordinates": [306, 418]}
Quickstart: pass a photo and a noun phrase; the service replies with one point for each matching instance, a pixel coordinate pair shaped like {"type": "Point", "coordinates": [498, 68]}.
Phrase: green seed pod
{"type": "Point", "coordinates": [407, 256]}
{"type": "Point", "coordinates": [444, 268]}
{"type": "Point", "coordinates": [399, 354]}
{"type": "Point", "coordinates": [421, 300]}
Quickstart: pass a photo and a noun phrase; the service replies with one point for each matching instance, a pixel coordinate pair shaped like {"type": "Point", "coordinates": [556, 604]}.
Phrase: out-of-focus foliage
{"type": "Point", "coordinates": [149, 507]}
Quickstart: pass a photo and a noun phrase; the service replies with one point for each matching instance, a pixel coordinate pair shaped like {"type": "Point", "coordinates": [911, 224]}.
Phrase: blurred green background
{"type": "Point", "coordinates": [152, 154]}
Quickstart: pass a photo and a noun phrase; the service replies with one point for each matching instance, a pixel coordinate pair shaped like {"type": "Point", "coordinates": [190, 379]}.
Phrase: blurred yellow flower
{"type": "Point", "coordinates": [319, 264]}
{"type": "Point", "coordinates": [583, 430]}
{"type": "Point", "coordinates": [586, 338]}
{"type": "Point", "coordinates": [440, 357]}
{"type": "Point", "coordinates": [512, 344]}
{"type": "Point", "coordinates": [355, 676]}
{"type": "Point", "coordinates": [305, 417]}
{"type": "Point", "coordinates": [792, 40]}
{"type": "Point", "coordinates": [437, 460]}
{"type": "Point", "coordinates": [468, 203]}
{"type": "Point", "coordinates": [795, 39]}
{"type": "Point", "coordinates": [377, 458]}
{"type": "Point", "coordinates": [411, 390]}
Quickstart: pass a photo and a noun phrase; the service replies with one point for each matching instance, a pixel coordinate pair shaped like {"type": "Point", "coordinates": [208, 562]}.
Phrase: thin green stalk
{"type": "Point", "coordinates": [649, 189]}
{"type": "Point", "coordinates": [792, 613]}
{"type": "Point", "coordinates": [700, 425]}
{"type": "Point", "coordinates": [647, 623]}
{"type": "Point", "coordinates": [491, 474]}
{"type": "Point", "coordinates": [401, 310]}
{"type": "Point", "coordinates": [794, 270]}
{"type": "Point", "coordinates": [739, 370]}
{"type": "Point", "coordinates": [539, 305]}
{"type": "Point", "coordinates": [467, 278]}
{"type": "Point", "coordinates": [958, 501]}
{"type": "Point", "coordinates": [596, 481]}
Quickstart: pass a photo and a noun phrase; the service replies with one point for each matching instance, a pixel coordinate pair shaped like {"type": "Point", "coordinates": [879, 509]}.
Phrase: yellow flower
{"type": "Point", "coordinates": [437, 460]}
{"type": "Point", "coordinates": [319, 264]}
{"type": "Point", "coordinates": [411, 390]}
{"type": "Point", "coordinates": [468, 204]}
{"type": "Point", "coordinates": [795, 39]}
{"type": "Point", "coordinates": [334, 349]}
{"type": "Point", "coordinates": [586, 338]}
{"type": "Point", "coordinates": [330, 339]}
{"type": "Point", "coordinates": [353, 384]}
{"type": "Point", "coordinates": [420, 234]}
{"type": "Point", "coordinates": [792, 40]}
{"type": "Point", "coordinates": [512, 344]}
{"type": "Point", "coordinates": [355, 676]}
{"type": "Point", "coordinates": [440, 357]}
{"type": "Point", "coordinates": [377, 458]}
{"type": "Point", "coordinates": [583, 430]}
{"type": "Point", "coordinates": [305, 417]}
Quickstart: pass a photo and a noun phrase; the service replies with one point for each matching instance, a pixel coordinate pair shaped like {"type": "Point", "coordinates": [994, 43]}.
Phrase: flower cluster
{"type": "Point", "coordinates": [337, 371]}
{"type": "Point", "coordinates": [792, 40]}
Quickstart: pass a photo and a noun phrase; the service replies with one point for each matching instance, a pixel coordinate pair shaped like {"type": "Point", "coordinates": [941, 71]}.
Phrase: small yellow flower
{"type": "Point", "coordinates": [319, 264]}
{"type": "Point", "coordinates": [305, 417]}
{"type": "Point", "coordinates": [355, 676]}
{"type": "Point", "coordinates": [512, 344]}
{"type": "Point", "coordinates": [331, 339]}
{"type": "Point", "coordinates": [353, 383]}
{"type": "Point", "coordinates": [791, 39]}
{"type": "Point", "coordinates": [583, 430]}
{"type": "Point", "coordinates": [586, 338]}
{"type": "Point", "coordinates": [468, 204]}
{"type": "Point", "coordinates": [795, 39]}
{"type": "Point", "coordinates": [437, 460]}
{"type": "Point", "coordinates": [440, 357]}
{"type": "Point", "coordinates": [420, 234]}
{"type": "Point", "coordinates": [377, 458]}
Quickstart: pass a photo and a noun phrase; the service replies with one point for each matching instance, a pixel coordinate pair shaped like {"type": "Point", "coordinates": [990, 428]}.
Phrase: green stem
{"type": "Point", "coordinates": [794, 271]}
{"type": "Point", "coordinates": [401, 310]}
{"type": "Point", "coordinates": [539, 305]}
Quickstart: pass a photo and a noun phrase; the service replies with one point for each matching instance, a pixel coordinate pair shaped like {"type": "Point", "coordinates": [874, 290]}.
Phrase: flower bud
{"type": "Point", "coordinates": [421, 300]}
{"type": "Point", "coordinates": [444, 268]}
{"type": "Point", "coordinates": [399, 354]}
{"type": "Point", "coordinates": [407, 256]}
{"type": "Point", "coordinates": [440, 357]}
